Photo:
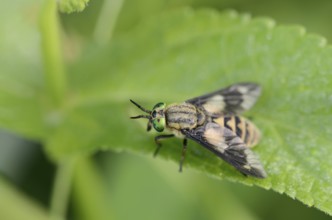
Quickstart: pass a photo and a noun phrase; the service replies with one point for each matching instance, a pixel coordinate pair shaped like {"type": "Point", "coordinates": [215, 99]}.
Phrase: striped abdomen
{"type": "Point", "coordinates": [183, 116]}
{"type": "Point", "coordinates": [242, 127]}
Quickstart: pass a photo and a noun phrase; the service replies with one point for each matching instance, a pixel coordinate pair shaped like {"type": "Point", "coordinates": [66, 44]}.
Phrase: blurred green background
{"type": "Point", "coordinates": [125, 186]}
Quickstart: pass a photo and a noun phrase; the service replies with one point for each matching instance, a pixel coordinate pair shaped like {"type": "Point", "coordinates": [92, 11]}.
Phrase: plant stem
{"type": "Point", "coordinates": [90, 194]}
{"type": "Point", "coordinates": [107, 20]}
{"type": "Point", "coordinates": [61, 190]}
{"type": "Point", "coordinates": [51, 51]}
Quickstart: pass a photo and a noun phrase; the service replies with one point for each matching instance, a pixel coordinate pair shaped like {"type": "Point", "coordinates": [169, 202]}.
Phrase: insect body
{"type": "Point", "coordinates": [212, 120]}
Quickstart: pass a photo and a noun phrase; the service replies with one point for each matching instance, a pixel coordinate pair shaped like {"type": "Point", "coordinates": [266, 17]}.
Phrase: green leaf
{"type": "Point", "coordinates": [189, 53]}
{"type": "Point", "coordinates": [185, 53]}
{"type": "Point", "coordinates": [11, 199]}
{"type": "Point", "coordinates": [176, 193]}
{"type": "Point", "coordinates": [21, 81]}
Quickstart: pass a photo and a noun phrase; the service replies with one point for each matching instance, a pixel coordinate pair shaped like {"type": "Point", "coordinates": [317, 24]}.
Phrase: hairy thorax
{"type": "Point", "coordinates": [183, 116]}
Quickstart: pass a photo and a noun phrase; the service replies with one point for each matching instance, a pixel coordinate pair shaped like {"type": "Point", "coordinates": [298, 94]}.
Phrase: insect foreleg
{"type": "Point", "coordinates": [149, 126]}
{"type": "Point", "coordinates": [183, 153]}
{"type": "Point", "coordinates": [159, 137]}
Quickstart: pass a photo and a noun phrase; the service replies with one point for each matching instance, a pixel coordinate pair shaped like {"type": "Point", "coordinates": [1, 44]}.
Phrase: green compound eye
{"type": "Point", "coordinates": [159, 105]}
{"type": "Point", "coordinates": [159, 124]}
{"type": "Point", "coordinates": [157, 116]}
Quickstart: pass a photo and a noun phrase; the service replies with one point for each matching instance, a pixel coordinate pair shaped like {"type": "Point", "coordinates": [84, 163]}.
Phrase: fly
{"type": "Point", "coordinates": [213, 120]}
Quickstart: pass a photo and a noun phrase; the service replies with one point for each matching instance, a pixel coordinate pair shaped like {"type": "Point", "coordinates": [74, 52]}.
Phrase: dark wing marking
{"type": "Point", "coordinates": [227, 145]}
{"type": "Point", "coordinates": [232, 100]}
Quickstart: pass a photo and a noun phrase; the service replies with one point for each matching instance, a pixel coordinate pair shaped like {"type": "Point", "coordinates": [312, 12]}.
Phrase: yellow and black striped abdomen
{"type": "Point", "coordinates": [242, 127]}
{"type": "Point", "coordinates": [181, 116]}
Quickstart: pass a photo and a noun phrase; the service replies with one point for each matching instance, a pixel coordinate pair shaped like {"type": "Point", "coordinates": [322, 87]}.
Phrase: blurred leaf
{"type": "Point", "coordinates": [11, 199]}
{"type": "Point", "coordinates": [167, 194]}
{"type": "Point", "coordinates": [20, 67]}
{"type": "Point", "coordinates": [185, 53]}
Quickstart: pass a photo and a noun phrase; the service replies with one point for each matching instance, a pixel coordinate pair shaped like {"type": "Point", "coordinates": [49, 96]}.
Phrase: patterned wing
{"type": "Point", "coordinates": [232, 100]}
{"type": "Point", "coordinates": [228, 146]}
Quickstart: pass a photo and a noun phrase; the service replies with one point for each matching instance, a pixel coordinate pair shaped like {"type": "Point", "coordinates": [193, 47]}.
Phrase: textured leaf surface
{"type": "Point", "coordinates": [186, 53]}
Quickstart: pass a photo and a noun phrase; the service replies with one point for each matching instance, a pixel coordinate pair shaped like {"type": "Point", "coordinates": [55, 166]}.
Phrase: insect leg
{"type": "Point", "coordinates": [148, 128]}
{"type": "Point", "coordinates": [183, 153]}
{"type": "Point", "coordinates": [159, 137]}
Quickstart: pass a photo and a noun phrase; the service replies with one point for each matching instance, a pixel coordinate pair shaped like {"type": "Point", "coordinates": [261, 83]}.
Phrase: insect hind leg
{"type": "Point", "coordinates": [159, 137]}
{"type": "Point", "coordinates": [184, 149]}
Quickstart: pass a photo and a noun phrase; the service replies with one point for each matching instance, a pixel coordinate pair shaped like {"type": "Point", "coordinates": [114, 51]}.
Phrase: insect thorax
{"type": "Point", "coordinates": [183, 116]}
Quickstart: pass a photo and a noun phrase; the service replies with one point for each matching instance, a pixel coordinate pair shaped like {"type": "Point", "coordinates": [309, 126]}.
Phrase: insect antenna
{"type": "Point", "coordinates": [143, 109]}
{"type": "Point", "coordinates": [140, 107]}
{"type": "Point", "coordinates": [141, 116]}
